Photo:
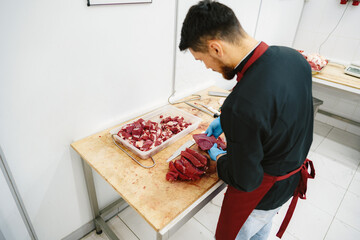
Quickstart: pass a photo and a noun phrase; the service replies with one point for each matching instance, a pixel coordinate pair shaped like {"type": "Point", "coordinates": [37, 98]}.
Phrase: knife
{"type": "Point", "coordinates": [180, 149]}
{"type": "Point", "coordinates": [218, 94]}
{"type": "Point", "coordinates": [215, 115]}
{"type": "Point", "coordinates": [209, 108]}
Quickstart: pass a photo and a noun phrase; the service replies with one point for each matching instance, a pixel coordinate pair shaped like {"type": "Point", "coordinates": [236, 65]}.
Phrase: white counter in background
{"type": "Point", "coordinates": [341, 96]}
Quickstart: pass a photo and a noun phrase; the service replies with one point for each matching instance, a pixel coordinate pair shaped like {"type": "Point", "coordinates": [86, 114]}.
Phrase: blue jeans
{"type": "Point", "coordinates": [258, 225]}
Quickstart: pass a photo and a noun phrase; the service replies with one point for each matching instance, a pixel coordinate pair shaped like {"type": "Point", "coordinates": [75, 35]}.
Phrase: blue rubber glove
{"type": "Point", "coordinates": [214, 128]}
{"type": "Point", "coordinates": [214, 152]}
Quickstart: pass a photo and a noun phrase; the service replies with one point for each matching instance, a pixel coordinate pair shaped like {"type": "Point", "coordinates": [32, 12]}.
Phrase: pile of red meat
{"type": "Point", "coordinates": [316, 61]}
{"type": "Point", "coordinates": [146, 135]}
{"type": "Point", "coordinates": [191, 166]}
{"type": "Point", "coordinates": [205, 143]}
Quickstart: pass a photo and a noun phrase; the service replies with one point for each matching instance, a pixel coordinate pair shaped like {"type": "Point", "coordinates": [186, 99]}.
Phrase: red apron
{"type": "Point", "coordinates": [260, 49]}
{"type": "Point", "coordinates": [238, 205]}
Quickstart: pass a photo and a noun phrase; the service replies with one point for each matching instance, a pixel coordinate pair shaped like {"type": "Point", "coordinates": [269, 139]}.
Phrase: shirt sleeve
{"type": "Point", "coordinates": [241, 166]}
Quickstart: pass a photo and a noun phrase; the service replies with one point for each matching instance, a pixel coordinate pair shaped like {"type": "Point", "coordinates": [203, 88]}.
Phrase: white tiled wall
{"type": "Point", "coordinates": [318, 19]}
{"type": "Point", "coordinates": [339, 102]}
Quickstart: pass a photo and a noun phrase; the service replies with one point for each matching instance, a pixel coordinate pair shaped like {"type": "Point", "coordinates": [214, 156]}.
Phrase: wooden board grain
{"type": "Point", "coordinates": [146, 190]}
{"type": "Point", "coordinates": [334, 72]}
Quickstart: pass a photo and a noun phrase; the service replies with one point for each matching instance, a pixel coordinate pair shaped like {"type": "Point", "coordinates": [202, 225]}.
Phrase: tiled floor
{"type": "Point", "coordinates": [331, 211]}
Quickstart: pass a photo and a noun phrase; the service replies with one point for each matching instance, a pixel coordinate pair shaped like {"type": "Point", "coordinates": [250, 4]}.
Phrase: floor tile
{"type": "Point", "coordinates": [275, 229]}
{"type": "Point", "coordinates": [137, 224]}
{"type": "Point", "coordinates": [208, 216]}
{"type": "Point", "coordinates": [340, 150]}
{"type": "Point", "coordinates": [353, 129]}
{"type": "Point", "coordinates": [322, 129]}
{"type": "Point", "coordinates": [317, 140]}
{"type": "Point", "coordinates": [94, 236]}
{"type": "Point", "coordinates": [334, 171]}
{"type": "Point", "coordinates": [349, 211]}
{"type": "Point", "coordinates": [355, 183]}
{"type": "Point", "coordinates": [308, 221]}
{"type": "Point", "coordinates": [120, 229]}
{"type": "Point", "coordinates": [324, 194]}
{"type": "Point", "coordinates": [340, 230]}
{"type": "Point", "coordinates": [192, 230]}
{"type": "Point", "coordinates": [345, 138]}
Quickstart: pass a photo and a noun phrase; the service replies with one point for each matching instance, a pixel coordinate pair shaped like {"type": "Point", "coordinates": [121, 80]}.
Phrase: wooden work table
{"type": "Point", "coordinates": [147, 191]}
{"type": "Point", "coordinates": [333, 75]}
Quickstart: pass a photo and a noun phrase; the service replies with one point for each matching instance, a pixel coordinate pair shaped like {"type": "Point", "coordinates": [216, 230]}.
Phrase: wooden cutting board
{"type": "Point", "coordinates": [334, 72]}
{"type": "Point", "coordinates": [146, 190]}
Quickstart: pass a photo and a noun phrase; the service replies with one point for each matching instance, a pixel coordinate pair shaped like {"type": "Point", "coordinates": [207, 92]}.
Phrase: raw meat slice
{"type": "Point", "coordinates": [190, 169]}
{"type": "Point", "coordinates": [199, 156]}
{"type": "Point", "coordinates": [179, 165]}
{"type": "Point", "coordinates": [172, 176]}
{"type": "Point", "coordinates": [205, 143]}
{"type": "Point", "coordinates": [192, 159]}
{"type": "Point", "coordinates": [174, 169]}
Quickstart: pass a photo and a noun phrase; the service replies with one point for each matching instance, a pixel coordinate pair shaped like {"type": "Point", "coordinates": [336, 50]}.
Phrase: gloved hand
{"type": "Point", "coordinates": [214, 128]}
{"type": "Point", "coordinates": [214, 152]}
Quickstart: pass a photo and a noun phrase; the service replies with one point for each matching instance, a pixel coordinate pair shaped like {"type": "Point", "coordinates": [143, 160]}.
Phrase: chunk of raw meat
{"type": "Point", "coordinates": [205, 143]}
{"type": "Point", "coordinates": [147, 145]}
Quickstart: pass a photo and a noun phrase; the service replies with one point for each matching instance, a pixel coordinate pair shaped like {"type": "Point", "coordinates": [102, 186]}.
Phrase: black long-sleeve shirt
{"type": "Point", "coordinates": [268, 123]}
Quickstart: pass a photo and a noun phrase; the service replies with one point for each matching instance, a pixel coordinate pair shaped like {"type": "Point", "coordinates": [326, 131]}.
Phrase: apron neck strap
{"type": "Point", "coordinates": [257, 53]}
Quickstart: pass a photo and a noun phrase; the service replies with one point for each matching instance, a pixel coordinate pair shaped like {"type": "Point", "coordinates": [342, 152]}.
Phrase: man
{"type": "Point", "coordinates": [267, 120]}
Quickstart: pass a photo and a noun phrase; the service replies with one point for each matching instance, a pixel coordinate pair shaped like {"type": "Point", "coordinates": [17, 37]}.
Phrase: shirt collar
{"type": "Point", "coordinates": [245, 59]}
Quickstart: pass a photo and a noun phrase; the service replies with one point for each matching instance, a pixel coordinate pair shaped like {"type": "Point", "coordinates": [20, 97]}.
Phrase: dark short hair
{"type": "Point", "coordinates": [209, 20]}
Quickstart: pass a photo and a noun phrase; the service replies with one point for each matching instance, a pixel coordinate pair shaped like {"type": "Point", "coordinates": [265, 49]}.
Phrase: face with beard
{"type": "Point", "coordinates": [227, 72]}
{"type": "Point", "coordinates": [215, 64]}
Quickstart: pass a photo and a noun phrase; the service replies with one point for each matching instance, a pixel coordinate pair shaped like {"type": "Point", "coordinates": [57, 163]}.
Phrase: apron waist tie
{"type": "Point", "coordinates": [300, 191]}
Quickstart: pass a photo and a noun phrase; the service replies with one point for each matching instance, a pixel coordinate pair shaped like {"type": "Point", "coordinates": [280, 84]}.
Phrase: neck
{"type": "Point", "coordinates": [241, 49]}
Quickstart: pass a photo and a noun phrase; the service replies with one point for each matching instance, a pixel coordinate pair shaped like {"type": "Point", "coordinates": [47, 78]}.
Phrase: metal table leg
{"type": "Point", "coordinates": [100, 224]}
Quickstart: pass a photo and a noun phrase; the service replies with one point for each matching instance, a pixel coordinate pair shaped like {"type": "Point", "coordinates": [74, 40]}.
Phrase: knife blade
{"type": "Point", "coordinates": [215, 115]}
{"type": "Point", "coordinates": [180, 149]}
{"type": "Point", "coordinates": [209, 108]}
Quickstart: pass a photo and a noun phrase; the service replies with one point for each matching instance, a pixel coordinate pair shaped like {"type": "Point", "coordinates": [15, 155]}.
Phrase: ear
{"type": "Point", "coordinates": [216, 48]}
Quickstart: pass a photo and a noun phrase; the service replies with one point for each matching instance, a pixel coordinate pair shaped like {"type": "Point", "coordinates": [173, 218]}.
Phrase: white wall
{"type": "Point", "coordinates": [9, 215]}
{"type": "Point", "coordinates": [68, 71]}
{"type": "Point", "coordinates": [278, 21]}
{"type": "Point", "coordinates": [318, 19]}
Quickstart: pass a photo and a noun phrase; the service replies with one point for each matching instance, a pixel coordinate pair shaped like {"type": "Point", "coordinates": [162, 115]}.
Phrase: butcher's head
{"type": "Point", "coordinates": [209, 31]}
